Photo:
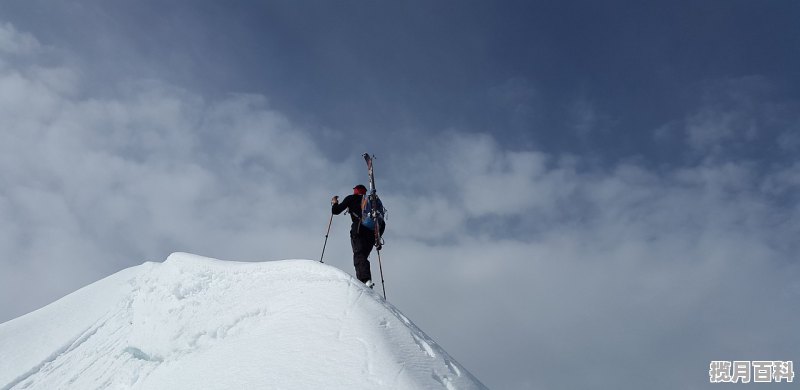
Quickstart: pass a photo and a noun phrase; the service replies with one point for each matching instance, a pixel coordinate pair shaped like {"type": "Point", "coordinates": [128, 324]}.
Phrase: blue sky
{"type": "Point", "coordinates": [581, 184]}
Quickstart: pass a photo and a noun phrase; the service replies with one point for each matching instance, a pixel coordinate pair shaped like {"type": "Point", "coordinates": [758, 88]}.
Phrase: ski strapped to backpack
{"type": "Point", "coordinates": [373, 214]}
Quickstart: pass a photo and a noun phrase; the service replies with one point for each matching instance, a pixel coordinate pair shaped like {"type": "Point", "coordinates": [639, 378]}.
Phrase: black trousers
{"type": "Point", "coordinates": [362, 241]}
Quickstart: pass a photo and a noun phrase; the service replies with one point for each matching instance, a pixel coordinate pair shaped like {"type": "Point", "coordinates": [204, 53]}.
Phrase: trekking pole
{"type": "Point", "coordinates": [380, 266]}
{"type": "Point", "coordinates": [378, 246]}
{"type": "Point", "coordinates": [326, 238]}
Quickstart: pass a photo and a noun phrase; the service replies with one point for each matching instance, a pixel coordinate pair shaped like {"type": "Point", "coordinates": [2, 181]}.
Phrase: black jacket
{"type": "Point", "coordinates": [351, 203]}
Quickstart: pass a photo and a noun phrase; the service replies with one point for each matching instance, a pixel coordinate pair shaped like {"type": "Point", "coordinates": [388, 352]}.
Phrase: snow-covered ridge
{"type": "Point", "coordinates": [198, 323]}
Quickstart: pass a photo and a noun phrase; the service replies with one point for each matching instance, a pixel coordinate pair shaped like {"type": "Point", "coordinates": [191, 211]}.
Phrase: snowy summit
{"type": "Point", "coordinates": [198, 323]}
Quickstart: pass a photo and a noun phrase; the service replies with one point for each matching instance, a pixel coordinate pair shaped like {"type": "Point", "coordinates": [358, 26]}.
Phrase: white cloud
{"type": "Point", "coordinates": [738, 116]}
{"type": "Point", "coordinates": [15, 42]}
{"type": "Point", "coordinates": [708, 129]}
{"type": "Point", "coordinates": [95, 184]}
{"type": "Point", "coordinates": [621, 261]}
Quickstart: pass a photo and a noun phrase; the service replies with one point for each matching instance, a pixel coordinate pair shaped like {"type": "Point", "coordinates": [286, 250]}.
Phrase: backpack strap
{"type": "Point", "coordinates": [364, 200]}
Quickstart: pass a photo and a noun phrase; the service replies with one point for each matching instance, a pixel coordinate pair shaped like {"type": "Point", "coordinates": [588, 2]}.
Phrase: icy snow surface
{"type": "Point", "coordinates": [198, 323]}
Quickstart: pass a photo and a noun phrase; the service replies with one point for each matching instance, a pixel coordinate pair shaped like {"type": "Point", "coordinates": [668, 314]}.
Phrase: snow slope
{"type": "Point", "coordinates": [198, 323]}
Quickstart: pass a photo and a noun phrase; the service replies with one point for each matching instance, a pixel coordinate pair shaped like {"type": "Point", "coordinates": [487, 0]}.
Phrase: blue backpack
{"type": "Point", "coordinates": [367, 207]}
